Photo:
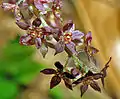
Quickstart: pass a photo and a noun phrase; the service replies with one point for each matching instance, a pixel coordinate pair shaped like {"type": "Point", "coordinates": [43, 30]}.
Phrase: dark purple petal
{"type": "Point", "coordinates": [88, 38]}
{"type": "Point", "coordinates": [38, 42]}
{"type": "Point", "coordinates": [95, 86]}
{"type": "Point", "coordinates": [102, 80]}
{"type": "Point", "coordinates": [68, 25]}
{"type": "Point", "coordinates": [78, 81]}
{"type": "Point", "coordinates": [77, 35]}
{"type": "Point", "coordinates": [22, 25]}
{"type": "Point", "coordinates": [55, 81]}
{"type": "Point", "coordinates": [59, 65]}
{"type": "Point", "coordinates": [89, 73]}
{"type": "Point", "coordinates": [48, 71]}
{"type": "Point", "coordinates": [68, 83]}
{"type": "Point", "coordinates": [43, 49]}
{"type": "Point", "coordinates": [36, 22]}
{"type": "Point", "coordinates": [97, 76]}
{"type": "Point", "coordinates": [59, 47]}
{"type": "Point", "coordinates": [26, 40]}
{"type": "Point", "coordinates": [71, 47]}
{"type": "Point", "coordinates": [83, 89]}
{"type": "Point", "coordinates": [68, 75]}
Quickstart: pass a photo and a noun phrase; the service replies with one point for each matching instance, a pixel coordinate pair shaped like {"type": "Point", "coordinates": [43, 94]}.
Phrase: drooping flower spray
{"type": "Point", "coordinates": [44, 26]}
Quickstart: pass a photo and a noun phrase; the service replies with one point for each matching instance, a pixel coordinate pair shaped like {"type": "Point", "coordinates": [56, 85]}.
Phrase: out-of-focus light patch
{"type": "Point", "coordinates": [116, 54]}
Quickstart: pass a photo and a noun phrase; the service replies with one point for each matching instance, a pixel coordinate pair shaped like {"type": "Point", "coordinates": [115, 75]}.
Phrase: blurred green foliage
{"type": "Point", "coordinates": [17, 69]}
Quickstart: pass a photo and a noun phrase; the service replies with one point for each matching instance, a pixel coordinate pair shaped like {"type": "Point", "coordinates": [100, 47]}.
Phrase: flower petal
{"type": "Point", "coordinates": [77, 35]}
{"type": "Point", "coordinates": [43, 49]}
{"type": "Point", "coordinates": [8, 6]}
{"type": "Point", "coordinates": [38, 42]}
{"type": "Point", "coordinates": [88, 38]}
{"type": "Point", "coordinates": [83, 89]}
{"type": "Point", "coordinates": [26, 40]}
{"type": "Point", "coordinates": [22, 25]}
{"type": "Point", "coordinates": [48, 71]}
{"type": "Point", "coordinates": [68, 25]}
{"type": "Point", "coordinates": [71, 47]}
{"type": "Point", "coordinates": [97, 76]}
{"type": "Point", "coordinates": [95, 86]}
{"type": "Point", "coordinates": [59, 66]}
{"type": "Point", "coordinates": [59, 47]}
{"type": "Point", "coordinates": [75, 72]}
{"type": "Point", "coordinates": [39, 5]}
{"type": "Point", "coordinates": [78, 81]}
{"type": "Point", "coordinates": [36, 22]}
{"type": "Point", "coordinates": [68, 83]}
{"type": "Point", "coordinates": [93, 50]}
{"type": "Point", "coordinates": [68, 75]}
{"type": "Point", "coordinates": [55, 81]}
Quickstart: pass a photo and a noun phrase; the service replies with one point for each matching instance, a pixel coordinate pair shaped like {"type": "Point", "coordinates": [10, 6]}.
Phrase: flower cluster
{"type": "Point", "coordinates": [44, 27]}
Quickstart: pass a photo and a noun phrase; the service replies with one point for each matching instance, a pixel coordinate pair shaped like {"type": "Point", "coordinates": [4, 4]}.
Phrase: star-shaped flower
{"type": "Point", "coordinates": [89, 79]}
{"type": "Point", "coordinates": [68, 37]}
{"type": "Point", "coordinates": [58, 75]}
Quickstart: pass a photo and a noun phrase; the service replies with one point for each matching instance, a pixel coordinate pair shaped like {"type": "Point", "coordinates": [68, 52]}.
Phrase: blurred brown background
{"type": "Point", "coordinates": [102, 17]}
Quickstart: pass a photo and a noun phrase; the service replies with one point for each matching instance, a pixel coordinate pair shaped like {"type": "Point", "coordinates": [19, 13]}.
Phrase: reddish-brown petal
{"type": "Point", "coordinates": [55, 81]}
{"type": "Point", "coordinates": [48, 71]}
{"type": "Point", "coordinates": [95, 86]}
{"type": "Point", "coordinates": [83, 89]}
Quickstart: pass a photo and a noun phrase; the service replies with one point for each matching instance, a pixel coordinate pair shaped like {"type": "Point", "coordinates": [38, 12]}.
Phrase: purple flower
{"type": "Point", "coordinates": [69, 37]}
{"type": "Point", "coordinates": [42, 5]}
{"type": "Point", "coordinates": [35, 35]}
{"type": "Point", "coordinates": [58, 75]}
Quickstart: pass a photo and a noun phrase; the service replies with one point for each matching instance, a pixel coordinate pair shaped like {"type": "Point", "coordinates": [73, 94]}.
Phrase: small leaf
{"type": "Point", "coordinates": [68, 75]}
{"type": "Point", "coordinates": [95, 86]}
{"type": "Point", "coordinates": [48, 71]}
{"type": "Point", "coordinates": [68, 83]}
{"type": "Point", "coordinates": [83, 89]}
{"type": "Point", "coordinates": [59, 65]}
{"type": "Point", "coordinates": [55, 81]}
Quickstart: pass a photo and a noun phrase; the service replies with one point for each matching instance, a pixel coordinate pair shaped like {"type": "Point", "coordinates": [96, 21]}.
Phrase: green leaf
{"type": "Point", "coordinates": [8, 89]}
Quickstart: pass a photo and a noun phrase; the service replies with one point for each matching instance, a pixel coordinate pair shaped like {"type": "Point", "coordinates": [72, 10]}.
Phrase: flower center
{"type": "Point", "coordinates": [67, 37]}
{"type": "Point", "coordinates": [35, 32]}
